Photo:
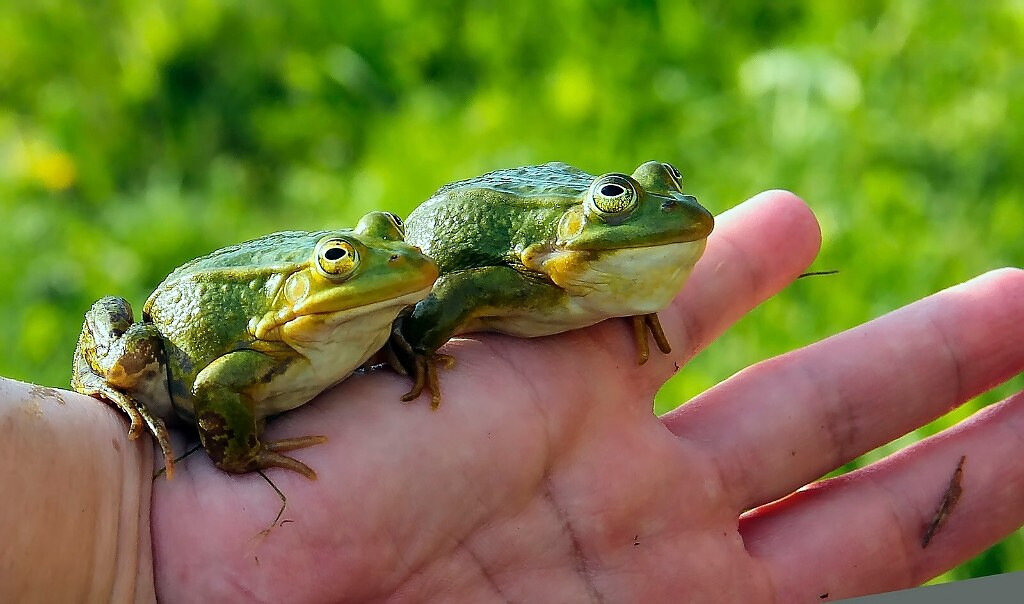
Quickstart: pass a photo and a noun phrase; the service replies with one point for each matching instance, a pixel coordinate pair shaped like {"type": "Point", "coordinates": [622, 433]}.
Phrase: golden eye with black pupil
{"type": "Point", "coordinates": [612, 196]}
{"type": "Point", "coordinates": [336, 258]}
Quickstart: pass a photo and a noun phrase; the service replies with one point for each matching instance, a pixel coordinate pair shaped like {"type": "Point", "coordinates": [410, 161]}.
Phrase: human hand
{"type": "Point", "coordinates": [544, 475]}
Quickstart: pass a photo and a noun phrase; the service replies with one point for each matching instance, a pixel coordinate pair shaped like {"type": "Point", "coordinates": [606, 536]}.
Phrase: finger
{"type": "Point", "coordinates": [791, 419]}
{"type": "Point", "coordinates": [755, 250]}
{"type": "Point", "coordinates": [866, 527]}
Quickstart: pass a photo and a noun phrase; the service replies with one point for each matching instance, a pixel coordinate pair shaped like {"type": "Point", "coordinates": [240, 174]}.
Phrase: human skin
{"type": "Point", "coordinates": [544, 475]}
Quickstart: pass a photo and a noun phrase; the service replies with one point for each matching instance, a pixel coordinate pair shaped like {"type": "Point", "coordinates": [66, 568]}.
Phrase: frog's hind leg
{"type": "Point", "coordinates": [228, 424]}
{"type": "Point", "coordinates": [115, 355]}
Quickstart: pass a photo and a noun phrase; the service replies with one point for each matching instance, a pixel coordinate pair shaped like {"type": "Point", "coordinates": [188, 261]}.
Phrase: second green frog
{"type": "Point", "coordinates": [538, 250]}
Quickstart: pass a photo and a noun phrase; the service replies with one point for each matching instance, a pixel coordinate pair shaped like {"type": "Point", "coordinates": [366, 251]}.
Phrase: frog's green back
{"type": "Point", "coordinates": [552, 179]}
{"type": "Point", "coordinates": [277, 249]}
{"type": "Point", "coordinates": [203, 308]}
{"type": "Point", "coordinates": [481, 221]}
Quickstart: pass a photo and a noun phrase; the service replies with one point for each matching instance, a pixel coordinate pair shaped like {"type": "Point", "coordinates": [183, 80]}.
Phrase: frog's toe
{"type": "Point", "coordinates": [290, 444]}
{"type": "Point", "coordinates": [654, 324]}
{"type": "Point", "coordinates": [271, 459]}
{"type": "Point", "coordinates": [270, 456]}
{"type": "Point", "coordinates": [641, 325]}
{"type": "Point", "coordinates": [140, 416]}
{"type": "Point", "coordinates": [135, 429]}
{"type": "Point", "coordinates": [640, 339]}
{"type": "Point", "coordinates": [419, 376]}
{"type": "Point", "coordinates": [425, 375]}
{"type": "Point", "coordinates": [158, 429]}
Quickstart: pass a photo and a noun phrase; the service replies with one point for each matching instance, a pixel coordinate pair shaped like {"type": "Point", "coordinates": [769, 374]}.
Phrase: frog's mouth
{"type": "Point", "coordinates": [610, 244]}
{"type": "Point", "coordinates": [269, 326]}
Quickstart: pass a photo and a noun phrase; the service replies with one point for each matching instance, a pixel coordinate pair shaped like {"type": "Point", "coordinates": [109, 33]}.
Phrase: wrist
{"type": "Point", "coordinates": [78, 499]}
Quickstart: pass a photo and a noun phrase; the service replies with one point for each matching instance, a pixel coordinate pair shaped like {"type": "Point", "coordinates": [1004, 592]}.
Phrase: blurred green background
{"type": "Point", "coordinates": [135, 135]}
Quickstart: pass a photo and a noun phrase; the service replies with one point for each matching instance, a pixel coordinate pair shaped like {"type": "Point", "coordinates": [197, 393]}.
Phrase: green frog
{"type": "Point", "coordinates": [538, 250]}
{"type": "Point", "coordinates": [250, 331]}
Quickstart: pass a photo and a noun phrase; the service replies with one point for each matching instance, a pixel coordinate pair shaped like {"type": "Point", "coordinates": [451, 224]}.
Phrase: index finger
{"type": "Point", "coordinates": [756, 249]}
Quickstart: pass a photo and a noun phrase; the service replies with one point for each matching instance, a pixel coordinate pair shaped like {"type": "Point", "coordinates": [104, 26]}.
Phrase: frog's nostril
{"type": "Point", "coordinates": [393, 258]}
{"type": "Point", "coordinates": [669, 204]}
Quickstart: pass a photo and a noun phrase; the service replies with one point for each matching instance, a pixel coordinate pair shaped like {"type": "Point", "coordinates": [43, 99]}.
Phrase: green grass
{"type": "Point", "coordinates": [136, 135]}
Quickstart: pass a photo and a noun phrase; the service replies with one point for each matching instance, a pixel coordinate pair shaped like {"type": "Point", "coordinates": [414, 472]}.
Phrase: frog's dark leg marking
{"type": "Point", "coordinates": [640, 339]}
{"type": "Point", "coordinates": [225, 415]}
{"type": "Point", "coordinates": [457, 298]}
{"type": "Point", "coordinates": [113, 354]}
{"type": "Point", "coordinates": [393, 361]}
{"type": "Point", "coordinates": [949, 500]}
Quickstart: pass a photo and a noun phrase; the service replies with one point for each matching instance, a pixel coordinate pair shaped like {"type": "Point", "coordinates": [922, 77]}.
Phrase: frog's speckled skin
{"type": "Point", "coordinates": [250, 331]}
{"type": "Point", "coordinates": [538, 250]}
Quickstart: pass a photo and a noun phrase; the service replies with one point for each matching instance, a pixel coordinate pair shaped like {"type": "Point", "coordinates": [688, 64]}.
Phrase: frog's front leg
{"type": "Point", "coordinates": [226, 416]}
{"type": "Point", "coordinates": [116, 356]}
{"type": "Point", "coordinates": [421, 366]}
{"type": "Point", "coordinates": [457, 299]}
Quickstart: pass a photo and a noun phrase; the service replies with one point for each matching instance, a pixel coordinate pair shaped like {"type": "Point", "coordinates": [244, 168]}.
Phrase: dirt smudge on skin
{"type": "Point", "coordinates": [32, 408]}
{"type": "Point", "coordinates": [44, 392]}
{"type": "Point", "coordinates": [949, 500]}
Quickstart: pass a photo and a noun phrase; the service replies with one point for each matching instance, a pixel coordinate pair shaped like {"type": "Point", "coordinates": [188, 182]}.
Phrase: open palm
{"type": "Point", "coordinates": [544, 475]}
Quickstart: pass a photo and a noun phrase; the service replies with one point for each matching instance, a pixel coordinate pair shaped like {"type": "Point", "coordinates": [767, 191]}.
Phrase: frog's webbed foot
{"type": "Point", "coordinates": [641, 324]}
{"type": "Point", "coordinates": [270, 456]}
{"type": "Point", "coordinates": [421, 367]}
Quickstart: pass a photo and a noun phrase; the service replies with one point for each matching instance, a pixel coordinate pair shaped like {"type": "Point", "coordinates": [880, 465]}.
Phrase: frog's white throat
{"type": "Point", "coordinates": [350, 333]}
{"type": "Point", "coordinates": [331, 346]}
{"type": "Point", "coordinates": [599, 285]}
{"type": "Point", "coordinates": [627, 281]}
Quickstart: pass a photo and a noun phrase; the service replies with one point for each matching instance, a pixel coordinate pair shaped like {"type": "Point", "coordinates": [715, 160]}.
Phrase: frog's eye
{"type": "Point", "coordinates": [675, 175]}
{"type": "Point", "coordinates": [336, 258]}
{"type": "Point", "coordinates": [612, 196]}
{"type": "Point", "coordinates": [397, 222]}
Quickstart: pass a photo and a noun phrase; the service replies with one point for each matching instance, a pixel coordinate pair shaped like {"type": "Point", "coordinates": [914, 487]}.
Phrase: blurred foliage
{"type": "Point", "coordinates": [135, 135]}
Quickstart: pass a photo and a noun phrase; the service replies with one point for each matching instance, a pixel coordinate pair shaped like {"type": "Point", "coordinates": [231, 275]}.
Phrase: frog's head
{"type": "Point", "coordinates": [348, 274]}
{"type": "Point", "coordinates": [644, 209]}
{"type": "Point", "coordinates": [629, 246]}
